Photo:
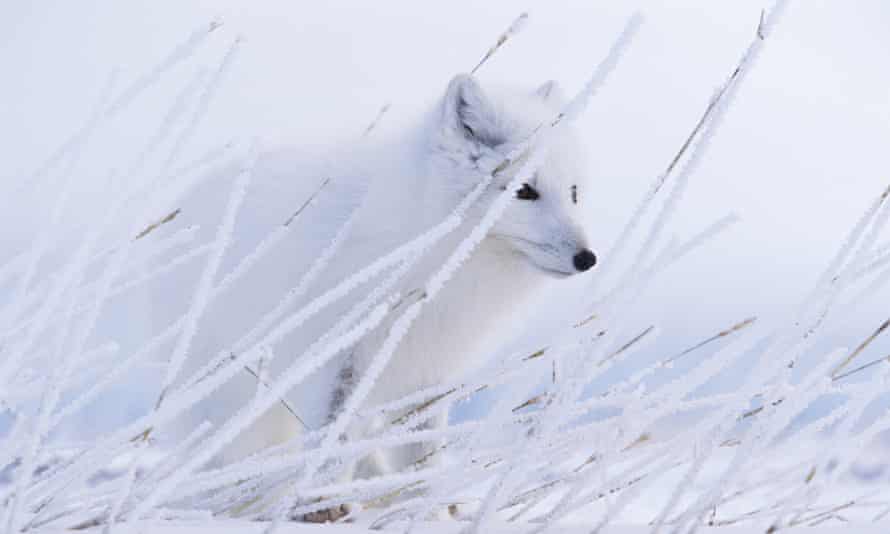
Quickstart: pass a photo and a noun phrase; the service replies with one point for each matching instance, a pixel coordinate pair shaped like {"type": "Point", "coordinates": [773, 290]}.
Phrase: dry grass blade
{"type": "Point", "coordinates": [155, 225]}
{"type": "Point", "coordinates": [861, 368]}
{"type": "Point", "coordinates": [713, 105]}
{"type": "Point", "coordinates": [537, 399]}
{"type": "Point", "coordinates": [880, 330]}
{"type": "Point", "coordinates": [514, 28]}
{"type": "Point", "coordinates": [583, 322]}
{"type": "Point", "coordinates": [731, 330]}
{"type": "Point", "coordinates": [817, 517]}
{"type": "Point", "coordinates": [602, 71]}
{"type": "Point", "coordinates": [629, 344]}
{"type": "Point", "coordinates": [536, 354]}
{"type": "Point", "coordinates": [645, 437]}
{"type": "Point", "coordinates": [306, 202]}
{"type": "Point", "coordinates": [423, 406]}
{"type": "Point", "coordinates": [755, 411]}
{"type": "Point", "coordinates": [469, 391]}
{"type": "Point", "coordinates": [325, 182]}
{"type": "Point", "coordinates": [284, 402]}
{"type": "Point", "coordinates": [376, 120]}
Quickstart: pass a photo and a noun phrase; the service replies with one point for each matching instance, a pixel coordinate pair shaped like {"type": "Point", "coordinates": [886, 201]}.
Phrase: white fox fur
{"type": "Point", "coordinates": [413, 182]}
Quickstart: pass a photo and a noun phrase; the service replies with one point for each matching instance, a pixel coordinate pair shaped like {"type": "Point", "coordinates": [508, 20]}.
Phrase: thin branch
{"type": "Point", "coordinates": [517, 26]}
{"type": "Point", "coordinates": [282, 400]}
{"type": "Point", "coordinates": [376, 120]}
{"type": "Point", "coordinates": [731, 330]}
{"type": "Point", "coordinates": [636, 339]}
{"type": "Point", "coordinates": [861, 368]}
{"type": "Point", "coordinates": [153, 226]}
{"type": "Point", "coordinates": [880, 330]}
{"type": "Point", "coordinates": [306, 203]}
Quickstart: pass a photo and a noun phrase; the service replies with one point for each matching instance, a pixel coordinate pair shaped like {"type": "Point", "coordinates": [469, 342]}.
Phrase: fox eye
{"type": "Point", "coordinates": [527, 192]}
{"type": "Point", "coordinates": [574, 194]}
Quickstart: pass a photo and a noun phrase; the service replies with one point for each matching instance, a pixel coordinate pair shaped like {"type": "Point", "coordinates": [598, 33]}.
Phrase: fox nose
{"type": "Point", "coordinates": [584, 260]}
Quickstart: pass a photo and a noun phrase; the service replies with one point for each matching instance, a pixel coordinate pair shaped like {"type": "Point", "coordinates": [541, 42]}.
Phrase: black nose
{"type": "Point", "coordinates": [584, 260]}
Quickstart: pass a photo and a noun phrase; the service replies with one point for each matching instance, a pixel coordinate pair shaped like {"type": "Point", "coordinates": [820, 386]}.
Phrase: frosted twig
{"type": "Point", "coordinates": [135, 282]}
{"type": "Point", "coordinates": [170, 266]}
{"type": "Point", "coordinates": [305, 282]}
{"type": "Point", "coordinates": [703, 130]}
{"type": "Point", "coordinates": [723, 333]}
{"type": "Point", "coordinates": [153, 226]}
{"type": "Point", "coordinates": [284, 403]}
{"type": "Point", "coordinates": [515, 27]}
{"type": "Point", "coordinates": [332, 295]}
{"type": "Point", "coordinates": [861, 368]}
{"type": "Point", "coordinates": [862, 346]}
{"type": "Point", "coordinates": [629, 344]}
{"type": "Point", "coordinates": [373, 125]}
{"type": "Point", "coordinates": [206, 159]}
{"type": "Point", "coordinates": [297, 372]}
{"type": "Point", "coordinates": [42, 243]}
{"type": "Point", "coordinates": [203, 104]}
{"type": "Point", "coordinates": [180, 53]}
{"type": "Point", "coordinates": [63, 362]}
{"type": "Point", "coordinates": [601, 72]}
{"type": "Point", "coordinates": [116, 372]}
{"type": "Point", "coordinates": [196, 310]}
{"type": "Point", "coordinates": [205, 284]}
{"type": "Point", "coordinates": [714, 104]}
{"type": "Point", "coordinates": [307, 202]}
{"type": "Point", "coordinates": [173, 457]}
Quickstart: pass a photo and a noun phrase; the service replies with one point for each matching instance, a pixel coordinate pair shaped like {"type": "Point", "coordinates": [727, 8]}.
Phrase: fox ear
{"type": "Point", "coordinates": [550, 93]}
{"type": "Point", "coordinates": [468, 113]}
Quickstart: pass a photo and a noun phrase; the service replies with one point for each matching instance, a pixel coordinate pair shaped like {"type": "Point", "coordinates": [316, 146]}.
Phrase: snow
{"type": "Point", "coordinates": [243, 527]}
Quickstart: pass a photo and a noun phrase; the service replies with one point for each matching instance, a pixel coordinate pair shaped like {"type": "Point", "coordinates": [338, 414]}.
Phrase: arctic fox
{"type": "Point", "coordinates": [538, 237]}
{"type": "Point", "coordinates": [413, 182]}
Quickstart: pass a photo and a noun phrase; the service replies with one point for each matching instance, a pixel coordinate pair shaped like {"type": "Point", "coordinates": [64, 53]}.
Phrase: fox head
{"type": "Point", "coordinates": [476, 132]}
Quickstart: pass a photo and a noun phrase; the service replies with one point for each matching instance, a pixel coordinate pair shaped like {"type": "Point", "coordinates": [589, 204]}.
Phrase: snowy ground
{"type": "Point", "coordinates": [446, 528]}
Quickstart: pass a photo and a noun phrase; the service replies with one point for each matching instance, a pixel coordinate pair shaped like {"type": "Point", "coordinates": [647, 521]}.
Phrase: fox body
{"type": "Point", "coordinates": [410, 183]}
{"type": "Point", "coordinates": [538, 238]}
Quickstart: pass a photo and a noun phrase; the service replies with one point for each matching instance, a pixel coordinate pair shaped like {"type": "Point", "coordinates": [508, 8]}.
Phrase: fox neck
{"type": "Point", "coordinates": [468, 320]}
{"type": "Point", "coordinates": [494, 282]}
